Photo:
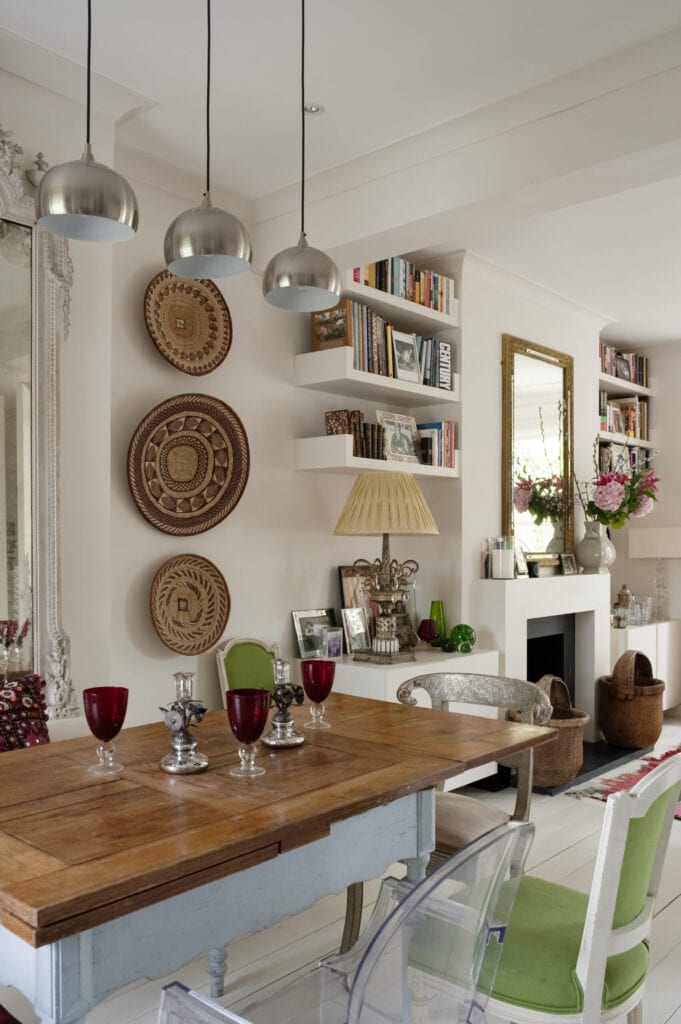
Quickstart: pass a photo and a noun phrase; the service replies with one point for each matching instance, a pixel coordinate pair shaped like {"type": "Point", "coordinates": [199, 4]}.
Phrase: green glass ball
{"type": "Point", "coordinates": [465, 647]}
{"type": "Point", "coordinates": [463, 634]}
{"type": "Point", "coordinates": [448, 645]}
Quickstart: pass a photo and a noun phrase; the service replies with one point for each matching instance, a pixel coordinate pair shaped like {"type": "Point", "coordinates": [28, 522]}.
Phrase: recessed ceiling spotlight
{"type": "Point", "coordinates": [313, 108]}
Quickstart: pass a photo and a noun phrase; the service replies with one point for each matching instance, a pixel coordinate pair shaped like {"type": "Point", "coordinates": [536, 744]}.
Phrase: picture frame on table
{"type": "Point", "coordinates": [568, 565]}
{"type": "Point", "coordinates": [622, 368]}
{"type": "Point", "coordinates": [334, 642]}
{"type": "Point", "coordinates": [310, 626]}
{"type": "Point", "coordinates": [356, 629]}
{"type": "Point", "coordinates": [354, 591]}
{"type": "Point", "coordinates": [520, 561]}
{"type": "Point", "coordinates": [406, 356]}
{"type": "Point", "coordinates": [401, 436]}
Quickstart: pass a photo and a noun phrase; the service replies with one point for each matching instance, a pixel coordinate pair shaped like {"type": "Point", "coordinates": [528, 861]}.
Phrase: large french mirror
{"type": "Point", "coordinates": [537, 477]}
{"type": "Point", "coordinates": [35, 274]}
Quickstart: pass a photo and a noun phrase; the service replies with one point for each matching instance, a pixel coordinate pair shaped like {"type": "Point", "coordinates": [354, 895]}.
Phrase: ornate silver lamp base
{"type": "Point", "coordinates": [184, 760]}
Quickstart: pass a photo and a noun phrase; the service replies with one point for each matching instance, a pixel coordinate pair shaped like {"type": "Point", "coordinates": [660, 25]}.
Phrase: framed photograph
{"type": "Point", "coordinates": [622, 368]}
{"type": "Point", "coordinates": [401, 436]}
{"type": "Point", "coordinates": [332, 328]}
{"type": "Point", "coordinates": [568, 565]}
{"type": "Point", "coordinates": [334, 642]}
{"type": "Point", "coordinates": [356, 629]}
{"type": "Point", "coordinates": [520, 561]}
{"type": "Point", "coordinates": [310, 627]}
{"type": "Point", "coordinates": [406, 356]}
{"type": "Point", "coordinates": [353, 587]}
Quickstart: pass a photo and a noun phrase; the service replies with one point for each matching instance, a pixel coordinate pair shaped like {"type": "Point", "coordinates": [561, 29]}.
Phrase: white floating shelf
{"type": "Point", "coordinates": [623, 439]}
{"type": "Point", "coordinates": [403, 314]}
{"type": "Point", "coordinates": [332, 370]}
{"type": "Point", "coordinates": [617, 386]}
{"type": "Point", "coordinates": [334, 452]}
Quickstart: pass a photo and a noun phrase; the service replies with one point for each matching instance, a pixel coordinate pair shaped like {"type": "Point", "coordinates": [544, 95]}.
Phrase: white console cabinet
{"type": "Point", "coordinates": [365, 679]}
{"type": "Point", "coordinates": [661, 643]}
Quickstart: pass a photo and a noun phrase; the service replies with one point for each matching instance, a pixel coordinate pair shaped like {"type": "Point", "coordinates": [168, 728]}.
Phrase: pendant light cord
{"type": "Point", "coordinates": [89, 72]}
{"type": "Point", "coordinates": [208, 102]}
{"type": "Point", "coordinates": [302, 119]}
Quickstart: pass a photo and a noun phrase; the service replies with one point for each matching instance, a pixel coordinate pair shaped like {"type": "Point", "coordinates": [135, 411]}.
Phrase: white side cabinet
{"type": "Point", "coordinates": [364, 679]}
{"type": "Point", "coordinates": [661, 643]}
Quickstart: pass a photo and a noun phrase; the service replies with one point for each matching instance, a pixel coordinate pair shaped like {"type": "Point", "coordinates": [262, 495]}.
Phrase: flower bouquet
{"type": "Point", "coordinates": [542, 498]}
{"type": "Point", "coordinates": [612, 498]}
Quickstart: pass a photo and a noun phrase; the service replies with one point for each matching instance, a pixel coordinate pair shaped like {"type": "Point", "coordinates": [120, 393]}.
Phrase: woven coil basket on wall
{"type": "Point", "coordinates": [630, 702]}
{"type": "Point", "coordinates": [556, 764]}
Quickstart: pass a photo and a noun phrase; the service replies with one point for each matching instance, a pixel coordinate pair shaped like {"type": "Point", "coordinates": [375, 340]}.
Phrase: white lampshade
{"type": "Point", "coordinates": [655, 542]}
{"type": "Point", "coordinates": [384, 502]}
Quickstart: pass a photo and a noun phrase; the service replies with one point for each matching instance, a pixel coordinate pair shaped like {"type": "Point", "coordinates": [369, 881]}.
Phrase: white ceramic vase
{"type": "Point", "coordinates": [595, 551]}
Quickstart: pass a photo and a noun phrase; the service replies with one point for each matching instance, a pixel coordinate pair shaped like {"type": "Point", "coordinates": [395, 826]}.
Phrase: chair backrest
{"type": "Point", "coordinates": [491, 691]}
{"type": "Point", "coordinates": [245, 662]}
{"type": "Point", "coordinates": [627, 874]}
{"type": "Point", "coordinates": [418, 959]}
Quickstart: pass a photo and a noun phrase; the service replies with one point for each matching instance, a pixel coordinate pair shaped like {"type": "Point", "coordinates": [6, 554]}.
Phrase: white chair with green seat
{"type": "Point", "coordinates": [245, 662]}
{"type": "Point", "coordinates": [573, 958]}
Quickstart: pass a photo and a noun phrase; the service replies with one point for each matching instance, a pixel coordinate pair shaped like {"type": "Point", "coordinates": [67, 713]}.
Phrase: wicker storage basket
{"type": "Point", "coordinates": [557, 763]}
{"type": "Point", "coordinates": [630, 702]}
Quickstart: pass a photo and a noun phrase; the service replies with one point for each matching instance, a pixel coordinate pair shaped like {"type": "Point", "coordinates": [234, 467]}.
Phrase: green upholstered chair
{"type": "Point", "coordinates": [245, 662]}
{"type": "Point", "coordinates": [574, 958]}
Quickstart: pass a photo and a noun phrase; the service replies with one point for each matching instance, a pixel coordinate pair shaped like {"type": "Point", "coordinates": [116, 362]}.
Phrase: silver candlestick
{"type": "Point", "coordinates": [179, 716]}
{"type": "Point", "coordinates": [283, 732]}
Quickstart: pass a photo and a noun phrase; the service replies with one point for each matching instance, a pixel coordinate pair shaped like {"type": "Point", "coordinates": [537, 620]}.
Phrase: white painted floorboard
{"type": "Point", "coordinates": [563, 851]}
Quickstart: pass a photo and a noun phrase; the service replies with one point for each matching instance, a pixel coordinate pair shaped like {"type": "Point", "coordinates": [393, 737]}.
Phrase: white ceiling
{"type": "Point", "coordinates": [385, 70]}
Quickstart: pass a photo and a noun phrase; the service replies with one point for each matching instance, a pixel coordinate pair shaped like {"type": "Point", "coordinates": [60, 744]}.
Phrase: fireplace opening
{"type": "Point", "coordinates": [551, 649]}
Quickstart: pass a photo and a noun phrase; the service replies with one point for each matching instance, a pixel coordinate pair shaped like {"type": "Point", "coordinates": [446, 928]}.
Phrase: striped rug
{"type": "Point", "coordinates": [601, 788]}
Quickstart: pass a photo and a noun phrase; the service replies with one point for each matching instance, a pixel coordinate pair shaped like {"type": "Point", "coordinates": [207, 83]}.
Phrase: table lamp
{"type": "Point", "coordinates": [657, 542]}
{"type": "Point", "coordinates": [382, 503]}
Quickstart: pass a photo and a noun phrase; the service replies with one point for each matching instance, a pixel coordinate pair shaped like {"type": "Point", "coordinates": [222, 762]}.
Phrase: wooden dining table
{"type": "Point", "coordinates": [104, 882]}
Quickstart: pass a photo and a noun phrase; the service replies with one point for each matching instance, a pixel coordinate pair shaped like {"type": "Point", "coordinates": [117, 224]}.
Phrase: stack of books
{"type": "Point", "coordinates": [400, 277]}
{"type": "Point", "coordinates": [625, 365]}
{"type": "Point", "coordinates": [624, 415]}
{"type": "Point", "coordinates": [440, 439]}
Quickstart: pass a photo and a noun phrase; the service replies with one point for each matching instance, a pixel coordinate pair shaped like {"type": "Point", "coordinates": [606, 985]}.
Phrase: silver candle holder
{"type": "Point", "coordinates": [283, 732]}
{"type": "Point", "coordinates": [178, 717]}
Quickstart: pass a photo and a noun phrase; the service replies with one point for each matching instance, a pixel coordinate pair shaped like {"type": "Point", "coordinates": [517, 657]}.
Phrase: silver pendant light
{"type": "Point", "coordinates": [302, 279]}
{"type": "Point", "coordinates": [207, 241]}
{"type": "Point", "coordinates": [83, 199]}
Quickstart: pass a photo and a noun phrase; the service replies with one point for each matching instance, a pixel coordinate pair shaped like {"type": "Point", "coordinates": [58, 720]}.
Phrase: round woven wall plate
{"type": "Point", "coordinates": [189, 604]}
{"type": "Point", "coordinates": [188, 321]}
{"type": "Point", "coordinates": [188, 464]}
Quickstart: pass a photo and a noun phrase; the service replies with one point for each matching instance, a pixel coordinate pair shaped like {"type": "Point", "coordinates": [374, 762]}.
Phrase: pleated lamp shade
{"type": "Point", "coordinates": [382, 503]}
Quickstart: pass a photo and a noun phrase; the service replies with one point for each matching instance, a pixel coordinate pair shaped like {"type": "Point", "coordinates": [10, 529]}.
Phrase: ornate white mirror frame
{"type": "Point", "coordinates": [51, 275]}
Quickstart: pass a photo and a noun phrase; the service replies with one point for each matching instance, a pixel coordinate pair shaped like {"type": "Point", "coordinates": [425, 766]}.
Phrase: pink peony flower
{"type": "Point", "coordinates": [608, 495]}
{"type": "Point", "coordinates": [644, 506]}
{"type": "Point", "coordinates": [522, 492]}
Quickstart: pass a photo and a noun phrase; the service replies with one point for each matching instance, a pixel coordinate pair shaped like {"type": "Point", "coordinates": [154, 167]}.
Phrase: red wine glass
{"type": "Point", "coordinates": [317, 679]}
{"type": "Point", "coordinates": [247, 711]}
{"type": "Point", "coordinates": [105, 708]}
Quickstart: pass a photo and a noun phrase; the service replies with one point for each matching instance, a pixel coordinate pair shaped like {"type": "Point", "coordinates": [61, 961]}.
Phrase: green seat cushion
{"type": "Point", "coordinates": [539, 954]}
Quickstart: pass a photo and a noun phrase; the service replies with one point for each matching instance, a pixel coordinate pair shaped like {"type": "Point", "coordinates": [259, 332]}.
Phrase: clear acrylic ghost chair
{"type": "Point", "coordinates": [572, 958]}
{"type": "Point", "coordinates": [417, 961]}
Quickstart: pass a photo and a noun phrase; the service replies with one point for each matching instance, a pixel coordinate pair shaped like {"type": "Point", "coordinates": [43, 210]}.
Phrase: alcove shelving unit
{"type": "Point", "coordinates": [333, 371]}
{"type": "Point", "coordinates": [618, 387]}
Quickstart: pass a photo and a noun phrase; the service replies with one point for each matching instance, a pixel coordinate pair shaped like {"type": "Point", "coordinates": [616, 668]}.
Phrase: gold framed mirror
{"type": "Point", "coordinates": [537, 505]}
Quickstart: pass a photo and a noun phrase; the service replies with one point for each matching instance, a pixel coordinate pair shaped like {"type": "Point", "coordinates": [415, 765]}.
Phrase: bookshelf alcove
{"type": "Point", "coordinates": [623, 403]}
{"type": "Point", "coordinates": [333, 371]}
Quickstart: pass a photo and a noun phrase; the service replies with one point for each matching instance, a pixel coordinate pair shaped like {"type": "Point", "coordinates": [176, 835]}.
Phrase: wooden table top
{"type": "Point", "coordinates": [76, 850]}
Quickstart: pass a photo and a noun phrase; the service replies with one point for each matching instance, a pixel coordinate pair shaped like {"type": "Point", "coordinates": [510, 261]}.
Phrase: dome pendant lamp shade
{"type": "Point", "coordinates": [302, 279]}
{"type": "Point", "coordinates": [85, 200]}
{"type": "Point", "coordinates": [207, 241]}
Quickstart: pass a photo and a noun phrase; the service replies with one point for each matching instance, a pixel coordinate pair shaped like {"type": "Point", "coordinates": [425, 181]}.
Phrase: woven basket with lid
{"type": "Point", "coordinates": [557, 763]}
{"type": "Point", "coordinates": [630, 702]}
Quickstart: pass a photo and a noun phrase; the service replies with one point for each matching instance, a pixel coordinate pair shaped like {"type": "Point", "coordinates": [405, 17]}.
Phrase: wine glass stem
{"type": "Point", "coordinates": [317, 712]}
{"type": "Point", "coordinates": [105, 752]}
{"type": "Point", "coordinates": [247, 755]}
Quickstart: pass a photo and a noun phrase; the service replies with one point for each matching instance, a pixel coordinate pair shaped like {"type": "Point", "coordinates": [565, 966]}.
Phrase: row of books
{"type": "Point", "coordinates": [438, 443]}
{"type": "Point", "coordinates": [612, 458]}
{"type": "Point", "coordinates": [379, 348]}
{"type": "Point", "coordinates": [623, 415]}
{"type": "Point", "coordinates": [400, 277]}
{"type": "Point", "coordinates": [625, 365]}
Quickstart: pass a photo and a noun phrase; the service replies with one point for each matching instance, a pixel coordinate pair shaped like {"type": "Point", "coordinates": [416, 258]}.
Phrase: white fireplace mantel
{"type": "Point", "coordinates": [504, 607]}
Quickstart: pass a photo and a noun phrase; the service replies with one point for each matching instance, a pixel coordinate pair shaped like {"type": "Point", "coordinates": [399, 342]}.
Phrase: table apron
{"type": "Point", "coordinates": [65, 979]}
